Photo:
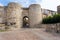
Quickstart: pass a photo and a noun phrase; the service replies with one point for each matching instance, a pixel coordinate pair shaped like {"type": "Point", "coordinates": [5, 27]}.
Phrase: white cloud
{"type": "Point", "coordinates": [50, 4]}
{"type": "Point", "coordinates": [1, 4]}
{"type": "Point", "coordinates": [26, 3]}
{"type": "Point", "coordinates": [38, 1]}
{"type": "Point", "coordinates": [22, 2]}
{"type": "Point", "coordinates": [47, 4]}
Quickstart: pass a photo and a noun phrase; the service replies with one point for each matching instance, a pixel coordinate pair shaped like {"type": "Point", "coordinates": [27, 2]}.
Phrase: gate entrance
{"type": "Point", "coordinates": [25, 22]}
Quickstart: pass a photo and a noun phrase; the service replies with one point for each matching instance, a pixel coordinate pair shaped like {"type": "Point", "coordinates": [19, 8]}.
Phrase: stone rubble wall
{"type": "Point", "coordinates": [52, 27]}
{"type": "Point", "coordinates": [14, 14]}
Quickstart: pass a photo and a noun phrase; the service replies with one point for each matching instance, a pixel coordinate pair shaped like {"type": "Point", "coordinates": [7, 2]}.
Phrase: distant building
{"type": "Point", "coordinates": [47, 12]}
{"type": "Point", "coordinates": [58, 9]}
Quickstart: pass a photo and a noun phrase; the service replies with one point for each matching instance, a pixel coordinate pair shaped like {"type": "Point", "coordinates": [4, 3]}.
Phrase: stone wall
{"type": "Point", "coordinates": [14, 14]}
{"type": "Point", "coordinates": [25, 12]}
{"type": "Point", "coordinates": [52, 27]}
{"type": "Point", "coordinates": [2, 14]}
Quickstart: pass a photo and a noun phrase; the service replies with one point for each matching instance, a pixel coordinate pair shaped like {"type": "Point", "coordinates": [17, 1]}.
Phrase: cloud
{"type": "Point", "coordinates": [22, 2]}
{"type": "Point", "coordinates": [50, 4]}
{"type": "Point", "coordinates": [38, 1]}
{"type": "Point", "coordinates": [26, 3]}
{"type": "Point", "coordinates": [1, 4]}
{"type": "Point", "coordinates": [47, 4]}
{"type": "Point", "coordinates": [4, 2]}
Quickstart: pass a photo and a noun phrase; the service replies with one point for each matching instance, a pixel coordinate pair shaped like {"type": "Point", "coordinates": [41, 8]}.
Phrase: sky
{"type": "Point", "coordinates": [46, 4]}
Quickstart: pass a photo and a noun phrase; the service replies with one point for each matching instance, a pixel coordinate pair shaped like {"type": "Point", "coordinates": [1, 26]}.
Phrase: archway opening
{"type": "Point", "coordinates": [25, 22]}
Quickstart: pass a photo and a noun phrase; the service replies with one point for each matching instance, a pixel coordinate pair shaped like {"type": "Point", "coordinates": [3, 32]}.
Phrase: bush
{"type": "Point", "coordinates": [50, 20]}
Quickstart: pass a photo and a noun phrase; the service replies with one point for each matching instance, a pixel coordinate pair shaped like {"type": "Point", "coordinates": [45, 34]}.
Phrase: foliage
{"type": "Point", "coordinates": [2, 30]}
{"type": "Point", "coordinates": [52, 19]}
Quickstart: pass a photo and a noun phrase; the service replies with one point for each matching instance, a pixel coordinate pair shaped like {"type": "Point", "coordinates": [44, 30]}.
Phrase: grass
{"type": "Point", "coordinates": [2, 30]}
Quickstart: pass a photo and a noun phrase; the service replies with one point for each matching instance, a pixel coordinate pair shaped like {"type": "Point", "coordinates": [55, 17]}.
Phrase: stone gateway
{"type": "Point", "coordinates": [15, 14]}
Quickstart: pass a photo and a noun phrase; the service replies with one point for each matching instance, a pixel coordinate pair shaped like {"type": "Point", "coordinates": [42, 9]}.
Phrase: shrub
{"type": "Point", "coordinates": [54, 19]}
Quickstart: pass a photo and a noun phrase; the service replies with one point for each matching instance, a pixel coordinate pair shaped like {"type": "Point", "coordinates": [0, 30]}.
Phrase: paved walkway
{"type": "Point", "coordinates": [28, 34]}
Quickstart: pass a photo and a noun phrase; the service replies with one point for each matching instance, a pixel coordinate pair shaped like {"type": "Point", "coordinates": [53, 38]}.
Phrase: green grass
{"type": "Point", "coordinates": [2, 30]}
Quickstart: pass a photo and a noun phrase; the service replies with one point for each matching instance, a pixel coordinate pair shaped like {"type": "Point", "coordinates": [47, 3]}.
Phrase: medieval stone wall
{"type": "Point", "coordinates": [14, 14]}
{"type": "Point", "coordinates": [52, 27]}
{"type": "Point", "coordinates": [2, 14]}
{"type": "Point", "coordinates": [24, 13]}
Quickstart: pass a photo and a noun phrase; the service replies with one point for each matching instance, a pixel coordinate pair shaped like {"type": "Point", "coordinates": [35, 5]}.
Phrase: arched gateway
{"type": "Point", "coordinates": [22, 17]}
{"type": "Point", "coordinates": [25, 22]}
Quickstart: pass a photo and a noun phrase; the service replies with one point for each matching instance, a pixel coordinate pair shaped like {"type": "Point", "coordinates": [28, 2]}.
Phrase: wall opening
{"type": "Point", "coordinates": [25, 22]}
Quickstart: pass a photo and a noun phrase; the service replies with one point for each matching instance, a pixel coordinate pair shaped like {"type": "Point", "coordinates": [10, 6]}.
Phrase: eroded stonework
{"type": "Point", "coordinates": [14, 14]}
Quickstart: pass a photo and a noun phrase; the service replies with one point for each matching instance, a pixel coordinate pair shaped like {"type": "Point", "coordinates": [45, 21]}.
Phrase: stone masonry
{"type": "Point", "coordinates": [14, 15]}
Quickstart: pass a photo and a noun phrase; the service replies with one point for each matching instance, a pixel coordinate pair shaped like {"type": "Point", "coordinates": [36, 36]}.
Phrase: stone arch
{"type": "Point", "coordinates": [25, 22]}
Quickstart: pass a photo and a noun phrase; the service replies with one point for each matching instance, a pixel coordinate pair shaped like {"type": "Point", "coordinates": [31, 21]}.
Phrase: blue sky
{"type": "Point", "coordinates": [47, 4]}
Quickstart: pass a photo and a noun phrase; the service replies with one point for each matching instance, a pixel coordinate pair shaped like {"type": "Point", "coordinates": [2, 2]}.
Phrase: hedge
{"type": "Point", "coordinates": [51, 19]}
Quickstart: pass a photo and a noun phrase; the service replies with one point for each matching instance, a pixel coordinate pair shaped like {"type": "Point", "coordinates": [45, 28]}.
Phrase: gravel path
{"type": "Point", "coordinates": [28, 34]}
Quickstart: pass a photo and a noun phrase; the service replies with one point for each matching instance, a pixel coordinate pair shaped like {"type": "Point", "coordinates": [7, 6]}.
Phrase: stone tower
{"type": "Point", "coordinates": [17, 16]}
{"type": "Point", "coordinates": [35, 15]}
{"type": "Point", "coordinates": [14, 14]}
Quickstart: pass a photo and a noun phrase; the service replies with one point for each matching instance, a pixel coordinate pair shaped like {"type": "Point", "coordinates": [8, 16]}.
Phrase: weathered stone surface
{"type": "Point", "coordinates": [13, 15]}
{"type": "Point", "coordinates": [35, 15]}
{"type": "Point", "coordinates": [52, 27]}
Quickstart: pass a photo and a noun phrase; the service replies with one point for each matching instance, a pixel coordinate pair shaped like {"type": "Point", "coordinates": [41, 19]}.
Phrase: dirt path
{"type": "Point", "coordinates": [28, 34]}
{"type": "Point", "coordinates": [46, 35]}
